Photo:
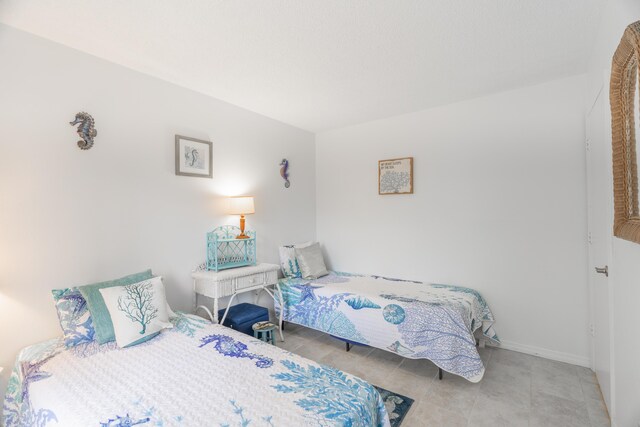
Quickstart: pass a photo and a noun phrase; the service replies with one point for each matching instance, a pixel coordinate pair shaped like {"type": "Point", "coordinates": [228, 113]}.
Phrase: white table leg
{"type": "Point", "coordinates": [206, 310]}
{"type": "Point", "coordinates": [273, 296]}
{"type": "Point", "coordinates": [197, 307]}
{"type": "Point", "coordinates": [224, 316]}
{"type": "Point", "coordinates": [215, 311]}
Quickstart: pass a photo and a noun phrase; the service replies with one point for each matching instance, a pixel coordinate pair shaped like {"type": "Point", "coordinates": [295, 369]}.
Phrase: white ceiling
{"type": "Point", "coordinates": [322, 64]}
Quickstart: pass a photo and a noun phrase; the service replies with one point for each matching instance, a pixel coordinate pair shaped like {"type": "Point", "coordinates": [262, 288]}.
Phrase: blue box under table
{"type": "Point", "coordinates": [242, 316]}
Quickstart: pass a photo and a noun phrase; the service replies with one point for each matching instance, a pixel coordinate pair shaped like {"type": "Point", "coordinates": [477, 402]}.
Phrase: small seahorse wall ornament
{"type": "Point", "coordinates": [284, 172]}
{"type": "Point", "coordinates": [86, 130]}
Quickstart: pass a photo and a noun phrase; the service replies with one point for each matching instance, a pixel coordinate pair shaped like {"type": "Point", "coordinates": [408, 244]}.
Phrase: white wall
{"type": "Point", "coordinates": [499, 206]}
{"type": "Point", "coordinates": [69, 217]}
{"type": "Point", "coordinates": [625, 263]}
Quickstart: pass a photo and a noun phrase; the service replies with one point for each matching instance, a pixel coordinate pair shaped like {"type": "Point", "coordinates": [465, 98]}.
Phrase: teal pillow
{"type": "Point", "coordinates": [143, 340]}
{"type": "Point", "coordinates": [99, 313]}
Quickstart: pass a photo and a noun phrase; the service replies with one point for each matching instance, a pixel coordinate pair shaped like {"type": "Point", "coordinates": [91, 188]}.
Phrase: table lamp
{"type": "Point", "coordinates": [242, 206]}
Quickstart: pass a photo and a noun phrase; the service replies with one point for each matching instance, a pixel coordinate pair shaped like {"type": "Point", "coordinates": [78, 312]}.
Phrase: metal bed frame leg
{"type": "Point", "coordinates": [348, 346]}
{"type": "Point", "coordinates": [440, 374]}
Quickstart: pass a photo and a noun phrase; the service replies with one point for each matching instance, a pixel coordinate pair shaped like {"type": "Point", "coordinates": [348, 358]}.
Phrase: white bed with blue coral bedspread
{"type": "Point", "coordinates": [413, 319]}
{"type": "Point", "coordinates": [195, 374]}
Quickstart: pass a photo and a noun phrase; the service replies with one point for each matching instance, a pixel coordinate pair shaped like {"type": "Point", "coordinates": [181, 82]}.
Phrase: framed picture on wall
{"type": "Point", "coordinates": [395, 176]}
{"type": "Point", "coordinates": [194, 157]}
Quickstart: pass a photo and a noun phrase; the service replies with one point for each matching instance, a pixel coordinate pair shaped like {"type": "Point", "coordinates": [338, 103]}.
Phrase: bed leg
{"type": "Point", "coordinates": [348, 346]}
{"type": "Point", "coordinates": [440, 374]}
{"type": "Point", "coordinates": [283, 323]}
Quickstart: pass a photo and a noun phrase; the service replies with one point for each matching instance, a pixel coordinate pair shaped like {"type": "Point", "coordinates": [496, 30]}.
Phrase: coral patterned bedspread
{"type": "Point", "coordinates": [196, 374]}
{"type": "Point", "coordinates": [413, 319]}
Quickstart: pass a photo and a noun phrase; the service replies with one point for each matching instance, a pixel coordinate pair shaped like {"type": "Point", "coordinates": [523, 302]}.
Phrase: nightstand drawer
{"type": "Point", "coordinates": [215, 289]}
{"type": "Point", "coordinates": [264, 278]}
{"type": "Point", "coordinates": [228, 282]}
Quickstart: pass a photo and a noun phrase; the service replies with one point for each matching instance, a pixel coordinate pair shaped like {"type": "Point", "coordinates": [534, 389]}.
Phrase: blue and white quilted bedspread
{"type": "Point", "coordinates": [196, 374]}
{"type": "Point", "coordinates": [413, 319]}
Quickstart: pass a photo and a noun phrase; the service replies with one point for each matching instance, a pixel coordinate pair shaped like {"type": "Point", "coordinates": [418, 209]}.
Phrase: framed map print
{"type": "Point", "coordinates": [395, 176]}
{"type": "Point", "coordinates": [194, 157]}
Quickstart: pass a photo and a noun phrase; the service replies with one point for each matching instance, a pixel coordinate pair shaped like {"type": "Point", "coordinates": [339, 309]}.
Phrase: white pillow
{"type": "Point", "coordinates": [137, 310]}
{"type": "Point", "coordinates": [288, 261]}
{"type": "Point", "coordinates": [311, 261]}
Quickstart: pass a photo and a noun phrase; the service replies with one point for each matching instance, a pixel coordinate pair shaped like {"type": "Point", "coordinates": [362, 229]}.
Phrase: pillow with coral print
{"type": "Point", "coordinates": [74, 316]}
{"type": "Point", "coordinates": [289, 262]}
{"type": "Point", "coordinates": [138, 311]}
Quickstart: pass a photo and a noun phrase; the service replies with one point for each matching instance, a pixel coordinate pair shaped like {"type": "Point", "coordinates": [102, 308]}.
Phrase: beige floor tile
{"type": "Point", "coordinates": [601, 421]}
{"type": "Point", "coordinates": [490, 411]}
{"type": "Point", "coordinates": [591, 391]}
{"type": "Point", "coordinates": [330, 342]}
{"type": "Point", "coordinates": [419, 367]}
{"type": "Point", "coordinates": [513, 358]}
{"type": "Point", "coordinates": [548, 410]}
{"type": "Point", "coordinates": [360, 350]}
{"type": "Point", "coordinates": [306, 333]}
{"type": "Point", "coordinates": [586, 375]}
{"type": "Point", "coordinates": [517, 389]}
{"type": "Point", "coordinates": [485, 354]}
{"type": "Point", "coordinates": [453, 393]}
{"type": "Point", "coordinates": [598, 413]}
{"type": "Point", "coordinates": [551, 368]}
{"type": "Point", "coordinates": [376, 373]}
{"type": "Point", "coordinates": [564, 386]}
{"type": "Point", "coordinates": [516, 395]}
{"type": "Point", "coordinates": [340, 359]}
{"type": "Point", "coordinates": [291, 344]}
{"type": "Point", "coordinates": [428, 414]}
{"type": "Point", "coordinates": [556, 378]}
{"type": "Point", "coordinates": [290, 327]}
{"type": "Point", "coordinates": [383, 356]}
{"type": "Point", "coordinates": [408, 384]}
{"type": "Point", "coordinates": [315, 349]}
{"type": "Point", "coordinates": [507, 374]}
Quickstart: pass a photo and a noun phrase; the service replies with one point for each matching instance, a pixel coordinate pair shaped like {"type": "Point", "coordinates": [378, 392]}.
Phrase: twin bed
{"type": "Point", "coordinates": [194, 374]}
{"type": "Point", "coordinates": [412, 319]}
{"type": "Point", "coordinates": [198, 373]}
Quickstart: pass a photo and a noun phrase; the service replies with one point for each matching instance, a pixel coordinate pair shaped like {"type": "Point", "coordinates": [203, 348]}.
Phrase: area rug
{"type": "Point", "coordinates": [397, 405]}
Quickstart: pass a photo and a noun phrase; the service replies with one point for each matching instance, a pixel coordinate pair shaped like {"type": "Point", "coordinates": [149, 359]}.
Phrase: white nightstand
{"type": "Point", "coordinates": [234, 281]}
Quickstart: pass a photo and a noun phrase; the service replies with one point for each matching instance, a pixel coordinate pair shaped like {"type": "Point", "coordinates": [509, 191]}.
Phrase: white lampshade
{"type": "Point", "coordinates": [241, 205]}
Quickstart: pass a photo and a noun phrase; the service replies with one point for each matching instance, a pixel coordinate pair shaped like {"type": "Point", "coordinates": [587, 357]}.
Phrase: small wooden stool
{"type": "Point", "coordinates": [265, 331]}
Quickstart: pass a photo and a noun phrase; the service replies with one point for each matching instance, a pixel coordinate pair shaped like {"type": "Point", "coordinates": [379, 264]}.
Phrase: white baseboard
{"type": "Point", "coordinates": [543, 352]}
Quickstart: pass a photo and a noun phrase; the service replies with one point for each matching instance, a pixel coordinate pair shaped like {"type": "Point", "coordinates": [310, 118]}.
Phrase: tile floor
{"type": "Point", "coordinates": [517, 389]}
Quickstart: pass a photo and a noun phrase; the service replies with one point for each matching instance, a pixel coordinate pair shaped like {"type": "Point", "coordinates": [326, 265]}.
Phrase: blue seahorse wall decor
{"type": "Point", "coordinates": [284, 172]}
{"type": "Point", "coordinates": [86, 129]}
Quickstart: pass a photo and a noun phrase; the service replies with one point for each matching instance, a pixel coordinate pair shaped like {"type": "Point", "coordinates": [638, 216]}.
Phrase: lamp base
{"type": "Point", "coordinates": [242, 235]}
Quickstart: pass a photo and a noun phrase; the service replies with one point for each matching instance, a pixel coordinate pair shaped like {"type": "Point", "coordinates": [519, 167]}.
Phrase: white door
{"type": "Point", "coordinates": [600, 208]}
